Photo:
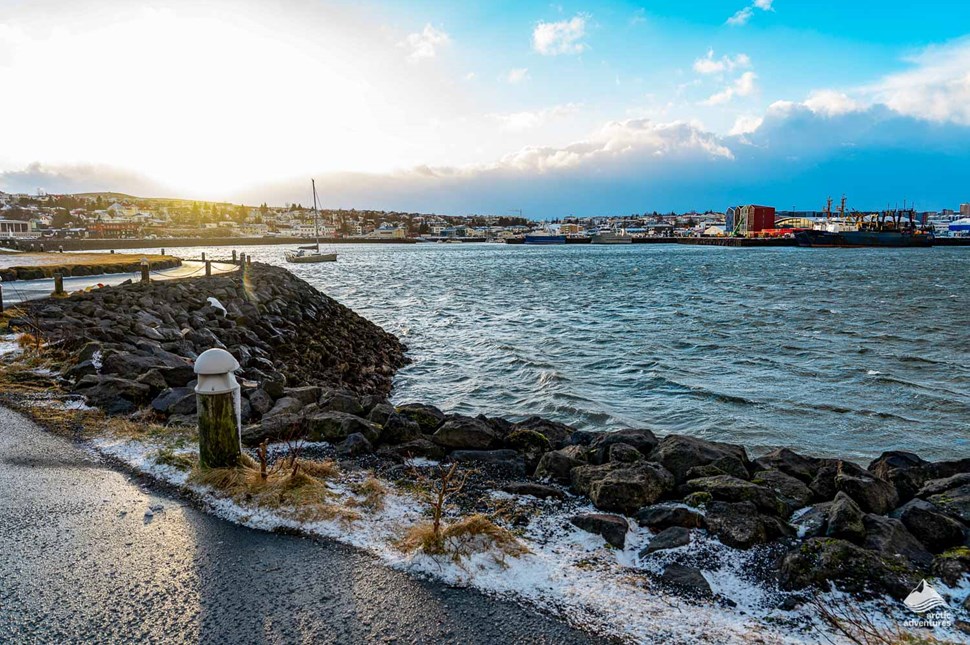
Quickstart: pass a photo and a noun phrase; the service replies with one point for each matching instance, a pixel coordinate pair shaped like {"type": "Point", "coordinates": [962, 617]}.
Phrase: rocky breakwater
{"type": "Point", "coordinates": [79, 265]}
{"type": "Point", "coordinates": [133, 345]}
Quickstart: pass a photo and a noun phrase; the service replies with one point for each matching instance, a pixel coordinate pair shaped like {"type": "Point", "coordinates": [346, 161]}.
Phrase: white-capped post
{"type": "Point", "coordinates": [219, 405]}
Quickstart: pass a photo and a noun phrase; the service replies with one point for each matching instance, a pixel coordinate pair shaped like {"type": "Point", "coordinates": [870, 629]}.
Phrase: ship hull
{"type": "Point", "coordinates": [863, 239]}
{"type": "Point", "coordinates": [545, 239]}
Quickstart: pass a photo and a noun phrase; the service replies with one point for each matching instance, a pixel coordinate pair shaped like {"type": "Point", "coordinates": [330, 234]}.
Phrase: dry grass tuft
{"type": "Point", "coordinates": [373, 492]}
{"type": "Point", "coordinates": [854, 625]}
{"type": "Point", "coordinates": [168, 457]}
{"type": "Point", "coordinates": [463, 538]}
{"type": "Point", "coordinates": [321, 469]}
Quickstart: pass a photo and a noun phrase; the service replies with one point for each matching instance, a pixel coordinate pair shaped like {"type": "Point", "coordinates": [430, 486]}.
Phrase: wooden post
{"type": "Point", "coordinates": [208, 267]}
{"type": "Point", "coordinates": [163, 251]}
{"type": "Point", "coordinates": [203, 256]}
{"type": "Point", "coordinates": [58, 284]}
{"type": "Point", "coordinates": [217, 400]}
{"type": "Point", "coordinates": [249, 260]}
{"type": "Point", "coordinates": [1, 297]}
{"type": "Point", "coordinates": [234, 256]}
{"type": "Point", "coordinates": [145, 270]}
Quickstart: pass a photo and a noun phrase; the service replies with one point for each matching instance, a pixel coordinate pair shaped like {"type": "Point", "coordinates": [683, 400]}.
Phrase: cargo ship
{"type": "Point", "coordinates": [545, 238]}
{"type": "Point", "coordinates": [890, 228]}
{"type": "Point", "coordinates": [611, 237]}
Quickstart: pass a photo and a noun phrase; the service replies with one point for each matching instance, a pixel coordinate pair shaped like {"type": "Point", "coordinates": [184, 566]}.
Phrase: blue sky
{"type": "Point", "coordinates": [554, 108]}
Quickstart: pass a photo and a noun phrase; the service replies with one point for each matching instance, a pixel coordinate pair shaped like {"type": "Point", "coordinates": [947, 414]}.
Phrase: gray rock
{"type": "Point", "coordinates": [285, 405]}
{"type": "Point", "coordinates": [355, 445]}
{"type": "Point", "coordinates": [932, 528]}
{"type": "Point", "coordinates": [662, 517]}
{"type": "Point", "coordinates": [466, 433]}
{"type": "Point", "coordinates": [679, 453]}
{"type": "Point", "coordinates": [955, 502]}
{"type": "Point", "coordinates": [937, 486]}
{"type": "Point", "coordinates": [427, 417]}
{"type": "Point", "coordinates": [336, 426]}
{"type": "Point", "coordinates": [420, 447]}
{"type": "Point", "coordinates": [611, 528]}
{"type": "Point", "coordinates": [381, 412]}
{"type": "Point", "coordinates": [581, 477]}
{"type": "Point", "coordinates": [178, 400]}
{"type": "Point", "coordinates": [261, 402]}
{"type": "Point", "coordinates": [906, 471]}
{"type": "Point", "coordinates": [643, 441]}
{"type": "Point", "coordinates": [115, 395]}
{"type": "Point", "coordinates": [889, 536]}
{"type": "Point", "coordinates": [791, 463]}
{"type": "Point", "coordinates": [822, 562]}
{"type": "Point", "coordinates": [845, 520]}
{"type": "Point", "coordinates": [623, 453]}
{"type": "Point", "coordinates": [306, 394]}
{"type": "Point", "coordinates": [823, 484]}
{"type": "Point", "coordinates": [731, 489]}
{"type": "Point", "coordinates": [397, 428]}
{"type": "Point", "coordinates": [628, 489]}
{"type": "Point", "coordinates": [791, 490]}
{"type": "Point", "coordinates": [687, 579]}
{"type": "Point", "coordinates": [556, 433]}
{"type": "Point", "coordinates": [557, 464]}
{"type": "Point", "coordinates": [505, 460]}
{"type": "Point", "coordinates": [873, 495]}
{"type": "Point", "coordinates": [342, 402]}
{"type": "Point", "coordinates": [739, 525]}
{"type": "Point", "coordinates": [670, 538]}
{"type": "Point", "coordinates": [278, 428]}
{"type": "Point", "coordinates": [80, 370]}
{"type": "Point", "coordinates": [154, 380]}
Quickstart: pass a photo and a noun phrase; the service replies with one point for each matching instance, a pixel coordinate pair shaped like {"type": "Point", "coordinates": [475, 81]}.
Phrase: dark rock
{"type": "Point", "coordinates": [466, 433]}
{"type": "Point", "coordinates": [556, 433]}
{"type": "Point", "coordinates": [731, 489]}
{"type": "Point", "coordinates": [699, 499]}
{"type": "Point", "coordinates": [611, 528]}
{"type": "Point", "coordinates": [889, 536]}
{"type": "Point", "coordinates": [530, 443]}
{"type": "Point", "coordinates": [581, 478]}
{"type": "Point", "coordinates": [932, 528]}
{"type": "Point", "coordinates": [342, 402]}
{"type": "Point", "coordinates": [336, 426]}
{"type": "Point", "coordinates": [629, 488]}
{"type": "Point", "coordinates": [955, 502]}
{"type": "Point", "coordinates": [689, 580]}
{"type": "Point", "coordinates": [679, 453]}
{"type": "Point", "coordinates": [623, 453]}
{"type": "Point", "coordinates": [642, 440]}
{"type": "Point", "coordinates": [662, 517]}
{"type": "Point", "coordinates": [557, 465]}
{"type": "Point", "coordinates": [873, 495]}
{"type": "Point", "coordinates": [845, 520]}
{"type": "Point", "coordinates": [823, 484]}
{"type": "Point", "coordinates": [739, 525]}
{"type": "Point", "coordinates": [427, 417]}
{"type": "Point", "coordinates": [261, 402]}
{"type": "Point", "coordinates": [791, 463]}
{"type": "Point", "coordinates": [937, 486]}
{"type": "Point", "coordinates": [952, 566]}
{"type": "Point", "coordinates": [669, 538]}
{"type": "Point", "coordinates": [906, 471]}
{"type": "Point", "coordinates": [306, 394]}
{"type": "Point", "coordinates": [791, 490]}
{"type": "Point", "coordinates": [822, 562]}
{"type": "Point", "coordinates": [154, 380]}
{"type": "Point", "coordinates": [82, 369]}
{"type": "Point", "coordinates": [381, 412]}
{"type": "Point", "coordinates": [505, 460]}
{"type": "Point", "coordinates": [285, 405]}
{"type": "Point", "coordinates": [397, 428]}
{"type": "Point", "coordinates": [355, 445]}
{"type": "Point", "coordinates": [279, 428]}
{"type": "Point", "coordinates": [178, 400]}
{"type": "Point", "coordinates": [421, 447]}
{"type": "Point", "coordinates": [583, 437]}
{"type": "Point", "coordinates": [116, 395]}
{"type": "Point", "coordinates": [535, 490]}
{"type": "Point", "coordinates": [274, 385]}
{"type": "Point", "coordinates": [813, 522]}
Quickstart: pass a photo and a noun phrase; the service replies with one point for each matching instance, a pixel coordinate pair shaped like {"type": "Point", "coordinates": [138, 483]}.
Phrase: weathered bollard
{"type": "Point", "coordinates": [41, 247]}
{"type": "Point", "coordinates": [249, 260]}
{"type": "Point", "coordinates": [145, 270]}
{"type": "Point", "coordinates": [203, 256]}
{"type": "Point", "coordinates": [58, 284]}
{"type": "Point", "coordinates": [112, 251]}
{"type": "Point", "coordinates": [60, 249]}
{"type": "Point", "coordinates": [163, 251]}
{"type": "Point", "coordinates": [1, 295]}
{"type": "Point", "coordinates": [218, 402]}
{"type": "Point", "coordinates": [208, 267]}
{"type": "Point", "coordinates": [234, 256]}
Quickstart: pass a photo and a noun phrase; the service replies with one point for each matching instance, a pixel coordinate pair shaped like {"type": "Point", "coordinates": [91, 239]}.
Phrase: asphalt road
{"type": "Point", "coordinates": [80, 562]}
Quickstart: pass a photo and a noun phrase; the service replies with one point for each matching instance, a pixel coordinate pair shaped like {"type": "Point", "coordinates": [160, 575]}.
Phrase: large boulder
{"type": "Point", "coordinates": [422, 448]}
{"type": "Point", "coordinates": [285, 405]}
{"type": "Point", "coordinates": [466, 433]}
{"type": "Point", "coordinates": [557, 434]}
{"type": "Point", "coordinates": [822, 562]}
{"type": "Point", "coordinates": [541, 491]}
{"type": "Point", "coordinates": [113, 394]}
{"type": "Point", "coordinates": [611, 528]}
{"type": "Point", "coordinates": [396, 428]}
{"type": "Point", "coordinates": [306, 394]}
{"type": "Point", "coordinates": [279, 428]}
{"type": "Point", "coordinates": [345, 402]}
{"type": "Point", "coordinates": [889, 536]}
{"type": "Point", "coordinates": [791, 463]}
{"type": "Point", "coordinates": [381, 412]}
{"type": "Point", "coordinates": [628, 489]}
{"type": "Point", "coordinates": [557, 464]}
{"type": "Point", "coordinates": [932, 528]}
{"type": "Point", "coordinates": [955, 502]}
{"type": "Point", "coordinates": [533, 445]}
{"type": "Point", "coordinates": [581, 478]}
{"type": "Point", "coordinates": [679, 453]}
{"type": "Point", "coordinates": [789, 489]}
{"type": "Point", "coordinates": [873, 495]}
{"type": "Point", "coordinates": [669, 538]}
{"type": "Point", "coordinates": [937, 486]}
{"type": "Point", "coordinates": [739, 525]}
{"type": "Point", "coordinates": [845, 520]}
{"type": "Point", "coordinates": [354, 446]}
{"type": "Point", "coordinates": [505, 461]}
{"type": "Point", "coordinates": [260, 401]}
{"type": "Point", "coordinates": [726, 488]}
{"type": "Point", "coordinates": [334, 427]}
{"type": "Point", "coordinates": [662, 517]}
{"type": "Point", "coordinates": [643, 440]}
{"type": "Point", "coordinates": [688, 580]}
{"type": "Point", "coordinates": [823, 483]}
{"type": "Point", "coordinates": [177, 400]}
{"type": "Point", "coordinates": [427, 417]}
{"type": "Point", "coordinates": [906, 471]}
{"type": "Point", "coordinates": [624, 453]}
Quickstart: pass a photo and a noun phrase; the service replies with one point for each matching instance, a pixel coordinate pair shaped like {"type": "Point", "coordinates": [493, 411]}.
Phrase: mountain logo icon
{"type": "Point", "coordinates": [924, 598]}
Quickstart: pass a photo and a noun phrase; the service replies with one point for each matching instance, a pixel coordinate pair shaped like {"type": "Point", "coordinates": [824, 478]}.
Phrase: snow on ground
{"type": "Point", "coordinates": [9, 347]}
{"type": "Point", "coordinates": [568, 572]}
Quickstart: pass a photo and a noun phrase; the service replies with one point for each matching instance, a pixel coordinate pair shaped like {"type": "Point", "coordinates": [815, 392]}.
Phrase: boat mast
{"type": "Point", "coordinates": [316, 217]}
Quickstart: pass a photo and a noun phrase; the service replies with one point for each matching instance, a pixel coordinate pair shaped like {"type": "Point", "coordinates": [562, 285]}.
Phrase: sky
{"type": "Point", "coordinates": [585, 108]}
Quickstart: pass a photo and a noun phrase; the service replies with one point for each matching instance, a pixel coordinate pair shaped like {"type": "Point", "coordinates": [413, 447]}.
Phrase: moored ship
{"type": "Point", "coordinates": [889, 228]}
{"type": "Point", "coordinates": [545, 238]}
{"type": "Point", "coordinates": [611, 237]}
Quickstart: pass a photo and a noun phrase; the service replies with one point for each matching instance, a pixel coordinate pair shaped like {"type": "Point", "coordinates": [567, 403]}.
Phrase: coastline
{"type": "Point", "coordinates": [627, 487]}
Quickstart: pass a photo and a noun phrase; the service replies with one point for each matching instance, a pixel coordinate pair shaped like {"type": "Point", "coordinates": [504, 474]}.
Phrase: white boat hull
{"type": "Point", "coordinates": [311, 257]}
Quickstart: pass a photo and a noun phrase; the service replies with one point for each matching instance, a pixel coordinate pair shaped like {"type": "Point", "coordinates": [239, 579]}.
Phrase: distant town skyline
{"type": "Point", "coordinates": [554, 109]}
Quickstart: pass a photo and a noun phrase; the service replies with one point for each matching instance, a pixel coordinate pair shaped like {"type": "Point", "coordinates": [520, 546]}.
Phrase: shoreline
{"type": "Point", "coordinates": [673, 496]}
{"type": "Point", "coordinates": [89, 244]}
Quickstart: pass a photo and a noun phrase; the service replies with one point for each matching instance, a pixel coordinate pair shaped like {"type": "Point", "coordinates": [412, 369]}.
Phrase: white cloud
{"type": "Point", "coordinates": [425, 43]}
{"type": "Point", "coordinates": [743, 16]}
{"type": "Point", "coordinates": [518, 75]}
{"type": "Point", "coordinates": [528, 120]}
{"type": "Point", "coordinates": [710, 65]}
{"type": "Point", "coordinates": [563, 37]}
{"type": "Point", "coordinates": [831, 103]}
{"type": "Point", "coordinates": [744, 85]}
{"type": "Point", "coordinates": [746, 124]}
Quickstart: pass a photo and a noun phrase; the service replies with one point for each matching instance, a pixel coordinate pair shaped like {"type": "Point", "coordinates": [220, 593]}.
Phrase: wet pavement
{"type": "Point", "coordinates": [81, 562]}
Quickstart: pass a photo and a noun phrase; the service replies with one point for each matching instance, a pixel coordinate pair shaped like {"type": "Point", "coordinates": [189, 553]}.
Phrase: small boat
{"type": "Point", "coordinates": [310, 254]}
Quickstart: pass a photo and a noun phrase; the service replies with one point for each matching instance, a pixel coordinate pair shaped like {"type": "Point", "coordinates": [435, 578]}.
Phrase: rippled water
{"type": "Point", "coordinates": [832, 351]}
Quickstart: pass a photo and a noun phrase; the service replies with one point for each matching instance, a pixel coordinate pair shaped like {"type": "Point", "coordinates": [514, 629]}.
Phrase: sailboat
{"type": "Point", "coordinates": [312, 254]}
